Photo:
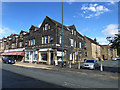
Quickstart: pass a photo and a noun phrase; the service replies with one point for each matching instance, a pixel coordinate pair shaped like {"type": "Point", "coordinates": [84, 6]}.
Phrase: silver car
{"type": "Point", "coordinates": [91, 64]}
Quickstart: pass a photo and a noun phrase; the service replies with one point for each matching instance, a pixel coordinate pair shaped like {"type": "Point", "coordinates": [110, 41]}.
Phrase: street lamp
{"type": "Point", "coordinates": [62, 34]}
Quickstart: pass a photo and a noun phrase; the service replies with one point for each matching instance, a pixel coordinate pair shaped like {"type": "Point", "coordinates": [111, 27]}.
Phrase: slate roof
{"type": "Point", "coordinates": [92, 41]}
{"type": "Point", "coordinates": [65, 27]}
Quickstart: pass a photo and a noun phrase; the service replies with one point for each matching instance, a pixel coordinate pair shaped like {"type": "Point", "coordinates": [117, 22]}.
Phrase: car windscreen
{"type": "Point", "coordinates": [89, 61]}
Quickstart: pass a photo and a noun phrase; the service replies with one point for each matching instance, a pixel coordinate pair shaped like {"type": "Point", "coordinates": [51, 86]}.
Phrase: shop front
{"type": "Point", "coordinates": [46, 55]}
{"type": "Point", "coordinates": [17, 54]}
{"type": "Point", "coordinates": [31, 55]}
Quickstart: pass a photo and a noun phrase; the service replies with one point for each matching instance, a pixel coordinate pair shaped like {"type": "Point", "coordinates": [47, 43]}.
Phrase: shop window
{"type": "Point", "coordinates": [35, 55]}
{"type": "Point", "coordinates": [44, 56]}
{"type": "Point", "coordinates": [27, 55]}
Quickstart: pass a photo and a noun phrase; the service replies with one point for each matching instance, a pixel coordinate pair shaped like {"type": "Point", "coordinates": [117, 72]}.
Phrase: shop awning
{"type": "Point", "coordinates": [13, 53]}
{"type": "Point", "coordinates": [45, 49]}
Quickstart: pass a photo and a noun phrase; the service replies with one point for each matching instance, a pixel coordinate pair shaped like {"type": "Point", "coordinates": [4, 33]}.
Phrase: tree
{"type": "Point", "coordinates": [115, 42]}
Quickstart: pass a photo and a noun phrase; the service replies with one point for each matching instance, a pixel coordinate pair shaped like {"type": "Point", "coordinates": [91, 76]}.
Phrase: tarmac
{"type": "Point", "coordinates": [96, 73]}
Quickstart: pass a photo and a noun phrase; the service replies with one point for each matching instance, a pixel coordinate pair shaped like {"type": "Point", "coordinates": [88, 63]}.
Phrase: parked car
{"type": "Point", "coordinates": [114, 59]}
{"type": "Point", "coordinates": [91, 64]}
{"type": "Point", "coordinates": [8, 60]}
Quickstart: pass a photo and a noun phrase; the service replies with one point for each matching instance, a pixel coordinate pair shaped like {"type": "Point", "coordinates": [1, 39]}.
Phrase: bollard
{"type": "Point", "coordinates": [78, 65]}
{"type": "Point", "coordinates": [101, 67]}
{"type": "Point", "coordinates": [70, 64]}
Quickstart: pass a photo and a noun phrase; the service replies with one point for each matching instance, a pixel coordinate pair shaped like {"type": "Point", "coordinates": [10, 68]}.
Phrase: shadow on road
{"type": "Point", "coordinates": [14, 80]}
{"type": "Point", "coordinates": [111, 69]}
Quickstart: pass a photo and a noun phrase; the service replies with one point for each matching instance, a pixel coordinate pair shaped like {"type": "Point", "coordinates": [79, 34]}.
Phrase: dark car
{"type": "Point", "coordinates": [8, 60]}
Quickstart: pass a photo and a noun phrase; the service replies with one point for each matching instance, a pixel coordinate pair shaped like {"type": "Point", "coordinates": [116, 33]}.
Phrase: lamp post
{"type": "Point", "coordinates": [62, 34]}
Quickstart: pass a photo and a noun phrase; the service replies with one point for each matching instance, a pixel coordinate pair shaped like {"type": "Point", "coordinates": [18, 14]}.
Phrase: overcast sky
{"type": "Point", "coordinates": [93, 19]}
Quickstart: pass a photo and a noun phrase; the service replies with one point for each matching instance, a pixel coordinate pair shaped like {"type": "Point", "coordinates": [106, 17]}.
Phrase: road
{"type": "Point", "coordinates": [20, 77]}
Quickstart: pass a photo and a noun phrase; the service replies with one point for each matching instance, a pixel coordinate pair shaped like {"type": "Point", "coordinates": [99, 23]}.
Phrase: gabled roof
{"type": "Point", "coordinates": [66, 27]}
{"type": "Point", "coordinates": [32, 26]}
{"type": "Point", "coordinates": [92, 41]}
{"type": "Point", "coordinates": [23, 32]}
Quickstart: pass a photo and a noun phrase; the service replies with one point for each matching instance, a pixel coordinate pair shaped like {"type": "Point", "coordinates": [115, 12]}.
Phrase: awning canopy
{"type": "Point", "coordinates": [13, 53]}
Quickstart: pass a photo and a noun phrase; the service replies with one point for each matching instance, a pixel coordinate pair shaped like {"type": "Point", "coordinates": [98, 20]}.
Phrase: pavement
{"type": "Point", "coordinates": [96, 73]}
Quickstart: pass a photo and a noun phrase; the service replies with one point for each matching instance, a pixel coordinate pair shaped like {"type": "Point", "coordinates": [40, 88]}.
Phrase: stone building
{"type": "Point", "coordinates": [44, 44]}
{"type": "Point", "coordinates": [92, 49]}
{"type": "Point", "coordinates": [107, 53]}
{"type": "Point", "coordinates": [13, 46]}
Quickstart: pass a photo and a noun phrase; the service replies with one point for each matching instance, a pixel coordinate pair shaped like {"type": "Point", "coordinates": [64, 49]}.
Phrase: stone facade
{"type": "Point", "coordinates": [44, 44]}
{"type": "Point", "coordinates": [107, 53]}
{"type": "Point", "coordinates": [48, 42]}
{"type": "Point", "coordinates": [92, 49]}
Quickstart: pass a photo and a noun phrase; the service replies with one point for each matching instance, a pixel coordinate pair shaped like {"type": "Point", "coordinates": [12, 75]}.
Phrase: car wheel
{"type": "Point", "coordinates": [94, 67]}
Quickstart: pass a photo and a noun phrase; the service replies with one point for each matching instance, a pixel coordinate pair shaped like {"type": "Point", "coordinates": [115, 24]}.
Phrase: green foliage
{"type": "Point", "coordinates": [115, 42]}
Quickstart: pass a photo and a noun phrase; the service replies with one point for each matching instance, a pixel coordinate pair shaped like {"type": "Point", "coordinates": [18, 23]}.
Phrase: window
{"type": "Point", "coordinates": [35, 55]}
{"type": "Point", "coordinates": [46, 39]}
{"type": "Point", "coordinates": [60, 40]}
{"type": "Point", "coordinates": [86, 54]}
{"type": "Point", "coordinates": [75, 44]}
{"type": "Point", "coordinates": [70, 56]}
{"type": "Point", "coordinates": [33, 41]}
{"type": "Point", "coordinates": [72, 31]}
{"type": "Point", "coordinates": [20, 44]}
{"type": "Point", "coordinates": [49, 27]}
{"type": "Point", "coordinates": [84, 40]}
{"type": "Point", "coordinates": [29, 42]}
{"type": "Point", "coordinates": [43, 28]}
{"type": "Point", "coordinates": [13, 45]}
{"type": "Point", "coordinates": [71, 41]}
{"type": "Point", "coordinates": [49, 38]}
{"type": "Point", "coordinates": [79, 44]}
{"type": "Point", "coordinates": [26, 42]}
{"type": "Point", "coordinates": [42, 40]}
{"type": "Point", "coordinates": [46, 26]}
{"type": "Point", "coordinates": [27, 55]}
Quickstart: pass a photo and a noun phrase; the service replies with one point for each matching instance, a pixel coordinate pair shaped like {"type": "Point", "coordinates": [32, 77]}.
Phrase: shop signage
{"type": "Point", "coordinates": [59, 53]}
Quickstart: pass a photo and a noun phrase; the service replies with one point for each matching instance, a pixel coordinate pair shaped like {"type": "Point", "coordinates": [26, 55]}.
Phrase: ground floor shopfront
{"type": "Point", "coordinates": [45, 55]}
{"type": "Point", "coordinates": [17, 54]}
{"type": "Point", "coordinates": [50, 56]}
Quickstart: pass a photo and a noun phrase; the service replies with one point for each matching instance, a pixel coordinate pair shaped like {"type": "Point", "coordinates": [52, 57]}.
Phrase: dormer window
{"type": "Point", "coordinates": [43, 28]}
{"type": "Point", "coordinates": [72, 31]}
{"type": "Point", "coordinates": [46, 26]}
{"type": "Point", "coordinates": [49, 27]}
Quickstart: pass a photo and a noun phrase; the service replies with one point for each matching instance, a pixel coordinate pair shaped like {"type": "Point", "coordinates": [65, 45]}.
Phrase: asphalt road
{"type": "Point", "coordinates": [19, 77]}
